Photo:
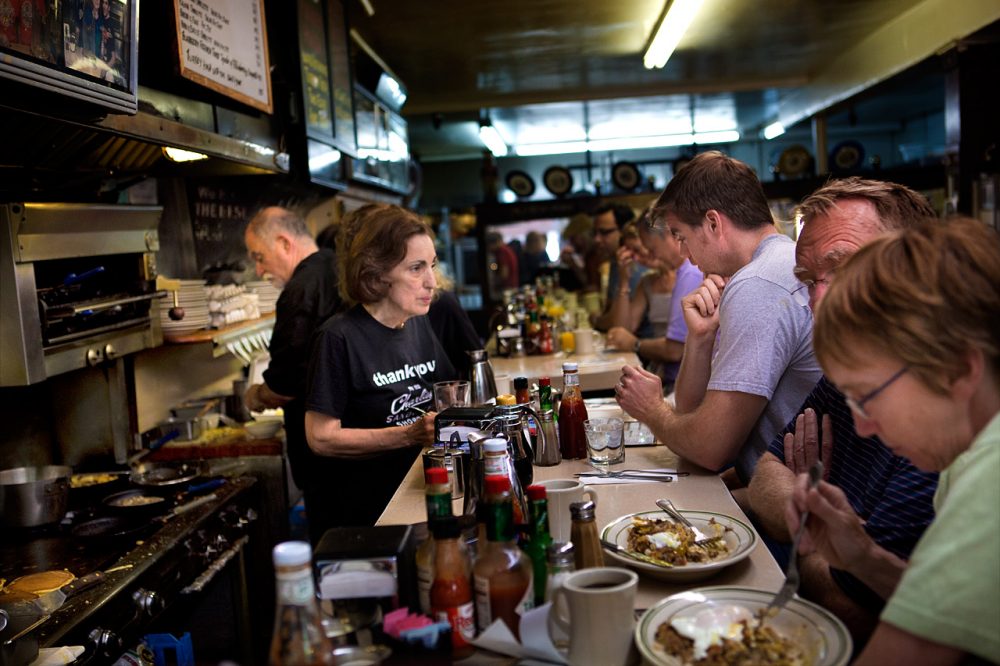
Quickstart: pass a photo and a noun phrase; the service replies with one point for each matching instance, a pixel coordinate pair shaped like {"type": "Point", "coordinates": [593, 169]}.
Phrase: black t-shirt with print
{"type": "Point", "coordinates": [368, 376]}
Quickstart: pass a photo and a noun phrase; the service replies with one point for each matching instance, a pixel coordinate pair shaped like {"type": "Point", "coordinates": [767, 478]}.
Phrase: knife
{"type": "Point", "coordinates": [615, 548]}
{"type": "Point", "coordinates": [649, 476]}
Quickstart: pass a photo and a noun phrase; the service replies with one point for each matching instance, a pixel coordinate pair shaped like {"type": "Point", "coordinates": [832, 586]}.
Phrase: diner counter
{"type": "Point", "coordinates": [598, 371]}
{"type": "Point", "coordinates": [701, 490]}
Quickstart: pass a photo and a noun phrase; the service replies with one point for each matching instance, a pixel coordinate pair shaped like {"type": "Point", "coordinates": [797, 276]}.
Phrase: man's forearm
{"type": "Point", "coordinates": [260, 396]}
{"type": "Point", "coordinates": [694, 373]}
{"type": "Point", "coordinates": [770, 489]}
{"type": "Point", "coordinates": [687, 436]}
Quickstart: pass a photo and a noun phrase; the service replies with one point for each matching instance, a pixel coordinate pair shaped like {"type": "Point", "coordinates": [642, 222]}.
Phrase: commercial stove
{"type": "Point", "coordinates": [157, 577]}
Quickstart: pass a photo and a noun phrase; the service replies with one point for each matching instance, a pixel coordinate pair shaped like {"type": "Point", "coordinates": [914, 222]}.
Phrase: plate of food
{"type": "Point", "coordinates": [668, 550]}
{"type": "Point", "coordinates": [713, 625]}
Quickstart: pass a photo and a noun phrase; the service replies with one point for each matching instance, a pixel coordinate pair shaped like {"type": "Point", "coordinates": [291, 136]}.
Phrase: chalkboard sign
{"type": "Point", "coordinates": [223, 46]}
{"type": "Point", "coordinates": [220, 210]}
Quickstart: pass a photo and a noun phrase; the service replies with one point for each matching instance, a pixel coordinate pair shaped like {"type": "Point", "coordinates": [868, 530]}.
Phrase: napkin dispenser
{"type": "Point", "coordinates": [364, 572]}
{"type": "Point", "coordinates": [463, 421]}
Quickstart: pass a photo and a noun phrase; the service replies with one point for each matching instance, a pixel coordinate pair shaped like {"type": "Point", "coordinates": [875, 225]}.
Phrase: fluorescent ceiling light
{"type": "Point", "coordinates": [320, 159]}
{"type": "Point", "coordinates": [491, 139]}
{"type": "Point", "coordinates": [626, 143]}
{"type": "Point", "coordinates": [181, 155]}
{"type": "Point", "coordinates": [672, 26]}
{"type": "Point", "coordinates": [773, 130]}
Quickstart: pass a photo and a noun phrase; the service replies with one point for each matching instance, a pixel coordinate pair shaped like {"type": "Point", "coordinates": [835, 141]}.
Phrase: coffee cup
{"type": "Point", "coordinates": [586, 340]}
{"type": "Point", "coordinates": [595, 607]}
{"type": "Point", "coordinates": [560, 494]}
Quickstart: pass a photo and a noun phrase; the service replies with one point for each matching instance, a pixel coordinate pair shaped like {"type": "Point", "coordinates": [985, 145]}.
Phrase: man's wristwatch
{"type": "Point", "coordinates": [635, 347]}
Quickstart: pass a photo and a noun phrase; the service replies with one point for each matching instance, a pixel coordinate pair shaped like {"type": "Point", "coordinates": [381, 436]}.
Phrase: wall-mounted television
{"type": "Point", "coordinates": [84, 49]}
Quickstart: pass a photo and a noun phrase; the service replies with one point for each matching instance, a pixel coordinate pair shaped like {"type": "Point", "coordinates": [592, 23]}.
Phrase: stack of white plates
{"type": "Point", "coordinates": [267, 294]}
{"type": "Point", "coordinates": [191, 297]}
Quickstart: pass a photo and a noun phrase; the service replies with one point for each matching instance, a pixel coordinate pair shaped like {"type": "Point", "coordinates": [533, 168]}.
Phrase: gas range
{"type": "Point", "coordinates": [146, 572]}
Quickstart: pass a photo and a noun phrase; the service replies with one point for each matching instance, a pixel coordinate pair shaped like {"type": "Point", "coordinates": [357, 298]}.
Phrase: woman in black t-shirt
{"type": "Point", "coordinates": [373, 367]}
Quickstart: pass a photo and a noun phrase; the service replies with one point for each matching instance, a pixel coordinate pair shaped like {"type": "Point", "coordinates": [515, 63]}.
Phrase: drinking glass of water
{"type": "Point", "coordinates": [605, 441]}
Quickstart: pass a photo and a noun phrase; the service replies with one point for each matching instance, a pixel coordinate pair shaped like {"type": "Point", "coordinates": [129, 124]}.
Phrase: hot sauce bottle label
{"type": "Point", "coordinates": [295, 589]}
{"type": "Point", "coordinates": [527, 602]}
{"type": "Point", "coordinates": [485, 618]}
{"type": "Point", "coordinates": [462, 620]}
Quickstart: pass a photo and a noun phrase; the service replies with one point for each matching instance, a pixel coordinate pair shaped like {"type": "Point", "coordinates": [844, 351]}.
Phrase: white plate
{"type": "Point", "coordinates": [739, 536]}
{"type": "Point", "coordinates": [823, 637]}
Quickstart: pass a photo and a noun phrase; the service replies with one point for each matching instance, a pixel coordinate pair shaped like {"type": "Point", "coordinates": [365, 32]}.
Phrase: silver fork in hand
{"type": "Point", "coordinates": [791, 584]}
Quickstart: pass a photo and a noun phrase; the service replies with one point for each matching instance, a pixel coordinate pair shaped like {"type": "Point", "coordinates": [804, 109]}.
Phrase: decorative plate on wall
{"type": "Point", "coordinates": [794, 161]}
{"type": "Point", "coordinates": [520, 183]}
{"type": "Point", "coordinates": [847, 155]}
{"type": "Point", "coordinates": [626, 176]}
{"type": "Point", "coordinates": [558, 180]}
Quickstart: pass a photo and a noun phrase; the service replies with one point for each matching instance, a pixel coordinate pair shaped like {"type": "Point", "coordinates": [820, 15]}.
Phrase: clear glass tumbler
{"type": "Point", "coordinates": [605, 441]}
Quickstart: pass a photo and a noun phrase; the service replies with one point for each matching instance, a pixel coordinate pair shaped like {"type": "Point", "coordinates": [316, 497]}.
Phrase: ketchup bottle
{"type": "Point", "coordinates": [572, 414]}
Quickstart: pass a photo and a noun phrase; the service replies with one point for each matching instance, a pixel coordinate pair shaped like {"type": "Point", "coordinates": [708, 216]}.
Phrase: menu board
{"type": "Point", "coordinates": [223, 46]}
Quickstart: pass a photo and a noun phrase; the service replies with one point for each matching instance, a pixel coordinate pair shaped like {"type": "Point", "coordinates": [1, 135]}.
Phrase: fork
{"type": "Point", "coordinates": [699, 536]}
{"type": "Point", "coordinates": [791, 584]}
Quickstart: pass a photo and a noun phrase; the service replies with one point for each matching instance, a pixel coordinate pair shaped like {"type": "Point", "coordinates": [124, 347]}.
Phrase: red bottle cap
{"type": "Point", "coordinates": [544, 381]}
{"type": "Point", "coordinates": [535, 492]}
{"type": "Point", "coordinates": [497, 484]}
{"type": "Point", "coordinates": [435, 476]}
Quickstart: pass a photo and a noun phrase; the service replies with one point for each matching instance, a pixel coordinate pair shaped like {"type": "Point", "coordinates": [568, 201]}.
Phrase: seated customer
{"type": "Point", "coordinates": [908, 331]}
{"type": "Point", "coordinates": [886, 490]}
{"type": "Point", "coordinates": [373, 367]}
{"type": "Point", "coordinates": [748, 360]}
{"type": "Point", "coordinates": [661, 293]}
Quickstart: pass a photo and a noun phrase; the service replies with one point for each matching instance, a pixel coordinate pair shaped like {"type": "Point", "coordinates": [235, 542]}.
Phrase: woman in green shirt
{"type": "Point", "coordinates": [910, 332]}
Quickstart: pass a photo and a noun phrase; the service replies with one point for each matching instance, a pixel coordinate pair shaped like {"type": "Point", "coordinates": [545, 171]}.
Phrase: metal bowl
{"type": "Point", "coordinates": [31, 496]}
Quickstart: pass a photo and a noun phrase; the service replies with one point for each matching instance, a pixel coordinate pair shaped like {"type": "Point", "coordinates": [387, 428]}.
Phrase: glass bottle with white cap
{"type": "Point", "coordinates": [298, 639]}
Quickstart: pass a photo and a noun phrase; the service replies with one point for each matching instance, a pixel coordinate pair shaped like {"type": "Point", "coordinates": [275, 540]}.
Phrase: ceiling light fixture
{"type": "Point", "coordinates": [626, 143]}
{"type": "Point", "coordinates": [181, 155]}
{"type": "Point", "coordinates": [773, 130]}
{"type": "Point", "coordinates": [491, 137]}
{"type": "Point", "coordinates": [369, 9]}
{"type": "Point", "coordinates": [674, 22]}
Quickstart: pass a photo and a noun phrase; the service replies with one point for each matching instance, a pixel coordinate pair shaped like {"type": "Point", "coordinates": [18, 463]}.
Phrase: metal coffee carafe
{"type": "Point", "coordinates": [484, 387]}
{"type": "Point", "coordinates": [512, 423]}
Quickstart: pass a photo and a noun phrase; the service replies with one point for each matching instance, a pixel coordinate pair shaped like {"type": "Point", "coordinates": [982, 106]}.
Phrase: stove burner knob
{"type": "Point", "coordinates": [147, 601]}
{"type": "Point", "coordinates": [110, 352]}
{"type": "Point", "coordinates": [94, 356]}
{"type": "Point", "coordinates": [106, 643]}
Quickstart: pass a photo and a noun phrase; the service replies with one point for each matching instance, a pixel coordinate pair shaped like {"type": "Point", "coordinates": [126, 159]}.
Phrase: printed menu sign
{"type": "Point", "coordinates": [223, 46]}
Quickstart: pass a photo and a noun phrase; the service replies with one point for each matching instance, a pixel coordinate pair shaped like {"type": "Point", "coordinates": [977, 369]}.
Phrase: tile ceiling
{"type": "Point", "coordinates": [532, 64]}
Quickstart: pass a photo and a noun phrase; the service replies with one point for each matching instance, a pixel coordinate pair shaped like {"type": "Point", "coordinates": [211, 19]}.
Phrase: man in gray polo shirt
{"type": "Point", "coordinates": [748, 360]}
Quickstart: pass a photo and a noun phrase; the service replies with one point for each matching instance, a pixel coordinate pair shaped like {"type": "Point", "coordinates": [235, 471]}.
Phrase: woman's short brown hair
{"type": "Point", "coordinates": [925, 295]}
{"type": "Point", "coordinates": [371, 242]}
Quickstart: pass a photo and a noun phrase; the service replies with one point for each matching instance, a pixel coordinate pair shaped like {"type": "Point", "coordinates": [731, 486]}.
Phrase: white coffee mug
{"type": "Point", "coordinates": [560, 494]}
{"type": "Point", "coordinates": [600, 602]}
{"type": "Point", "coordinates": [586, 340]}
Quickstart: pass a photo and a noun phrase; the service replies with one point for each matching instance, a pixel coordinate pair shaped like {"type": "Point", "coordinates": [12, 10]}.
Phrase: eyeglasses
{"type": "Point", "coordinates": [605, 232]}
{"type": "Point", "coordinates": [812, 284]}
{"type": "Point", "coordinates": [858, 406]}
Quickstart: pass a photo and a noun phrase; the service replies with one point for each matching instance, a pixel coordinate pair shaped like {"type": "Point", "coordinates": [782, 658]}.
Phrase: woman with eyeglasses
{"type": "Point", "coordinates": [910, 332]}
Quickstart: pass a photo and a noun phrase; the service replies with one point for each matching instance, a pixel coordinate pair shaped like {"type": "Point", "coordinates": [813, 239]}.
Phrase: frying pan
{"type": "Point", "coordinates": [137, 502]}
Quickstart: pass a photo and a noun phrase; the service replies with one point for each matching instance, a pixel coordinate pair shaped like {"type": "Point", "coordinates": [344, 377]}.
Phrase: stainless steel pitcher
{"type": "Point", "coordinates": [484, 387]}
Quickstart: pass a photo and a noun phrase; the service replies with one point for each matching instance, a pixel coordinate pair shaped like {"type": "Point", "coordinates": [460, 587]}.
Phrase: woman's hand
{"type": "Point", "coordinates": [422, 431]}
{"type": "Point", "coordinates": [833, 529]}
{"type": "Point", "coordinates": [620, 338]}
